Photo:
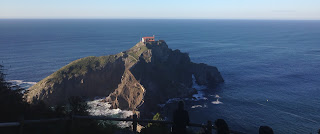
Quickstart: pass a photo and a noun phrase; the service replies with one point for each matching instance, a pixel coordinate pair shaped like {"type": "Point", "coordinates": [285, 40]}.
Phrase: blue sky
{"type": "Point", "coordinates": [162, 9]}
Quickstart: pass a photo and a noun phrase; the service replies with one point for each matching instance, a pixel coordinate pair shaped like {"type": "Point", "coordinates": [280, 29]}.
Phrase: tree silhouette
{"type": "Point", "coordinates": [11, 101]}
{"type": "Point", "coordinates": [78, 105]}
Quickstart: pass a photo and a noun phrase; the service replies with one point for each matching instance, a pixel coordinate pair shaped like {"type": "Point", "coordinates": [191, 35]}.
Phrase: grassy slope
{"type": "Point", "coordinates": [137, 50]}
{"type": "Point", "coordinates": [82, 66]}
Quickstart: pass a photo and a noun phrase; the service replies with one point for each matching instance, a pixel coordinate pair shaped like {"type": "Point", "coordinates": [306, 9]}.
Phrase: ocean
{"type": "Point", "coordinates": [270, 67]}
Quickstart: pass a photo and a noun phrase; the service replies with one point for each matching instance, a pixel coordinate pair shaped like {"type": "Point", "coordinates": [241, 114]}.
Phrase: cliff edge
{"type": "Point", "coordinates": [141, 77]}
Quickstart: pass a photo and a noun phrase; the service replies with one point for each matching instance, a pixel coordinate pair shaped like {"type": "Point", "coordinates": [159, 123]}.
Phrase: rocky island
{"type": "Point", "coordinates": [149, 73]}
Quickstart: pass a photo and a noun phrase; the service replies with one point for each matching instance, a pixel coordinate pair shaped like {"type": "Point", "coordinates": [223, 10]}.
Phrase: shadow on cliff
{"type": "Point", "coordinates": [169, 74]}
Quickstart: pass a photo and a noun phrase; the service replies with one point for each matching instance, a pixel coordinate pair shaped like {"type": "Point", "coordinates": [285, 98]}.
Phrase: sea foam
{"type": "Point", "coordinates": [217, 101]}
{"type": "Point", "coordinates": [196, 97]}
{"type": "Point", "coordinates": [199, 106]}
{"type": "Point", "coordinates": [98, 107]}
{"type": "Point", "coordinates": [22, 83]}
{"type": "Point", "coordinates": [199, 88]}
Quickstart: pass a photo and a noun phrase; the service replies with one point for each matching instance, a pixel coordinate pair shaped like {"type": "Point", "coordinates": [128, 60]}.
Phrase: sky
{"type": "Point", "coordinates": [161, 9]}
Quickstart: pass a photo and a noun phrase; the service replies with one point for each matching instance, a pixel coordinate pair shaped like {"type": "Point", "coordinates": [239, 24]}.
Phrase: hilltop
{"type": "Point", "coordinates": [139, 78]}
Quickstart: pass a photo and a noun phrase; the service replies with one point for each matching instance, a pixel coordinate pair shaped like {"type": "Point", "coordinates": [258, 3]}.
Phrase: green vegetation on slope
{"type": "Point", "coordinates": [137, 50]}
{"type": "Point", "coordinates": [81, 67]}
{"type": "Point", "coordinates": [84, 65]}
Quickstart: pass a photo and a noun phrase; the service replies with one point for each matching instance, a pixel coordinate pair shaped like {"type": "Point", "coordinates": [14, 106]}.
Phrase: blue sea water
{"type": "Point", "coordinates": [271, 68]}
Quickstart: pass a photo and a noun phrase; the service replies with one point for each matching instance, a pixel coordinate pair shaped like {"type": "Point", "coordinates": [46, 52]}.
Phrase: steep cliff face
{"type": "Point", "coordinates": [139, 78]}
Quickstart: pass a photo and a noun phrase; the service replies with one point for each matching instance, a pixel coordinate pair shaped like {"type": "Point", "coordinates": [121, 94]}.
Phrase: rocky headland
{"type": "Point", "coordinates": [137, 79]}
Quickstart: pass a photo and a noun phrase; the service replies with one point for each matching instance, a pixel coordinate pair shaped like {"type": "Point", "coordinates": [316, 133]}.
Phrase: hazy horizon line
{"type": "Point", "coordinates": [150, 19]}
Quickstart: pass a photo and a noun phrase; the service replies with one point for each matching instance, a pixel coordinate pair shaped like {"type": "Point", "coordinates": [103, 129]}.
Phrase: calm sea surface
{"type": "Point", "coordinates": [271, 68]}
